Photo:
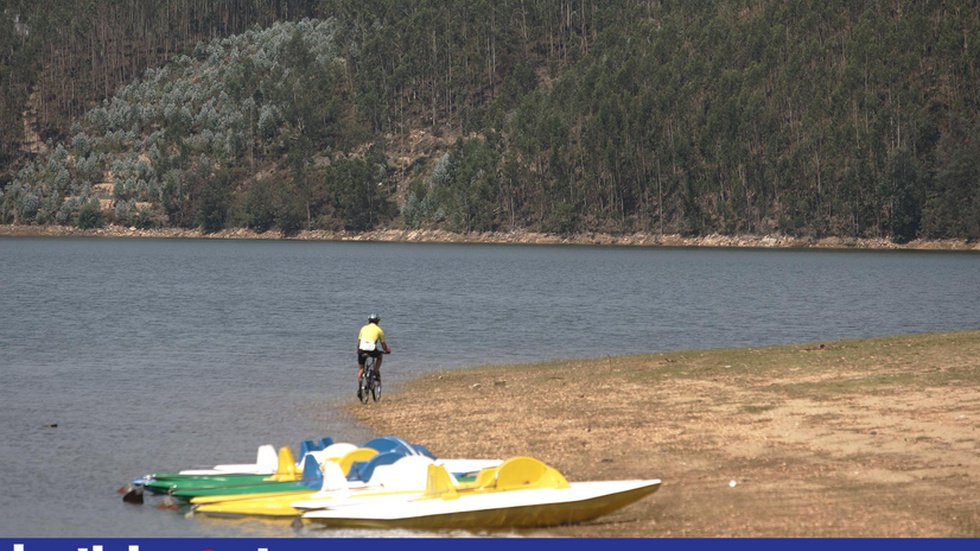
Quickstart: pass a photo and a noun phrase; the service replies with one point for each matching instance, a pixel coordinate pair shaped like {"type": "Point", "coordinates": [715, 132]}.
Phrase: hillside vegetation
{"type": "Point", "coordinates": [733, 117]}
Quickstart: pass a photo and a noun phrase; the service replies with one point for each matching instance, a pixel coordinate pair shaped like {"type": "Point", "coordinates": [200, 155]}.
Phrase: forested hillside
{"type": "Point", "coordinates": [733, 117]}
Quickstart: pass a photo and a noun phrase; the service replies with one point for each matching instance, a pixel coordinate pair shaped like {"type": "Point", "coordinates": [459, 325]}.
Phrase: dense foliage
{"type": "Point", "coordinates": [804, 118]}
{"type": "Point", "coordinates": [186, 144]}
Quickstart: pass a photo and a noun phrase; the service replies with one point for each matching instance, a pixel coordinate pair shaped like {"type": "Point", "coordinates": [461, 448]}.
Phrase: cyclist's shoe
{"type": "Point", "coordinates": [359, 395]}
{"type": "Point", "coordinates": [377, 378]}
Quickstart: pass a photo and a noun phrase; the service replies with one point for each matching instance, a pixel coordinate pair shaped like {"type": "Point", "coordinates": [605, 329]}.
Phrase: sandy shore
{"type": "Point", "coordinates": [518, 237]}
{"type": "Point", "coordinates": [869, 438]}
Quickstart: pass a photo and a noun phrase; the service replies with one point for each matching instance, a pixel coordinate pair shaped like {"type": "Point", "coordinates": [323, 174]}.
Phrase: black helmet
{"type": "Point", "coordinates": [374, 318]}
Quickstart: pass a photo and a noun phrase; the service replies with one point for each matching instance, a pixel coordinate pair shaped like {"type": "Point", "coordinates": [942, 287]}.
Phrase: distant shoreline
{"type": "Point", "coordinates": [515, 237]}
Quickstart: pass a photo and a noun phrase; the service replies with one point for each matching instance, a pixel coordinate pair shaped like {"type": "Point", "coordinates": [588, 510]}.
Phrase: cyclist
{"type": "Point", "coordinates": [370, 342]}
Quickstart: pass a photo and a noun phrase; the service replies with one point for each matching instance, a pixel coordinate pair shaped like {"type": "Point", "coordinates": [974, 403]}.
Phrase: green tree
{"type": "Point", "coordinates": [90, 216]}
{"type": "Point", "coordinates": [466, 188]}
{"type": "Point", "coordinates": [260, 213]}
{"type": "Point", "coordinates": [902, 196]}
{"type": "Point", "coordinates": [356, 194]}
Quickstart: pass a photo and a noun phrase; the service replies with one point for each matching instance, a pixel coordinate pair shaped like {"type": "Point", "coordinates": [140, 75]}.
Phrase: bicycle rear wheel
{"type": "Point", "coordinates": [375, 385]}
{"type": "Point", "coordinates": [364, 382]}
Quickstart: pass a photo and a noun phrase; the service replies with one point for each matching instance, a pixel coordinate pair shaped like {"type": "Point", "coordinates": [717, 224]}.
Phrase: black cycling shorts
{"type": "Point", "coordinates": [363, 354]}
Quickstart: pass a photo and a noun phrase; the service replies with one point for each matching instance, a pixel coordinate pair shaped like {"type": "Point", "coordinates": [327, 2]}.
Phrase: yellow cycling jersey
{"type": "Point", "coordinates": [370, 336]}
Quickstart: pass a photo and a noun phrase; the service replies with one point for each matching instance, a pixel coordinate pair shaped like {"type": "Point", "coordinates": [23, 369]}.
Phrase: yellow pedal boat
{"type": "Point", "coordinates": [522, 492]}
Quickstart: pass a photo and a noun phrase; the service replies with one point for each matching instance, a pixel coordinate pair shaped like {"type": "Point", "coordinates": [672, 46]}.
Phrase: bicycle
{"type": "Point", "coordinates": [369, 384]}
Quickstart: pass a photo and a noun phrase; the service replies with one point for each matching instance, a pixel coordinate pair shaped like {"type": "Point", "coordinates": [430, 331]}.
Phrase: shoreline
{"type": "Point", "coordinates": [639, 239]}
{"type": "Point", "coordinates": [850, 438]}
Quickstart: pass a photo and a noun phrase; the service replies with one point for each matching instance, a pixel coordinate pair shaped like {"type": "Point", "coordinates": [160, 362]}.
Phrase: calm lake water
{"type": "Point", "coordinates": [156, 355]}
